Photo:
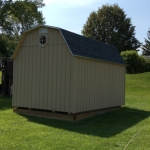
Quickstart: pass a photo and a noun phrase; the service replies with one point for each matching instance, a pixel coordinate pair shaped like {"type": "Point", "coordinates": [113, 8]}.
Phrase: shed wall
{"type": "Point", "coordinates": [51, 78]}
{"type": "Point", "coordinates": [43, 76]}
{"type": "Point", "coordinates": [99, 84]}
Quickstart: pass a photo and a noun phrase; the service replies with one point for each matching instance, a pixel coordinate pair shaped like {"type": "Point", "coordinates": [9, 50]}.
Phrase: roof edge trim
{"type": "Point", "coordinates": [65, 41]}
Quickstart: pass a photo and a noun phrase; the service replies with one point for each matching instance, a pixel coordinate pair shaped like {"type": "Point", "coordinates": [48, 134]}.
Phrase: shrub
{"type": "Point", "coordinates": [135, 63]}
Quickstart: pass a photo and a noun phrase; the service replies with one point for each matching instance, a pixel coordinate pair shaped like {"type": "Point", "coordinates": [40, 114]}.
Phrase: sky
{"type": "Point", "coordinates": [72, 14]}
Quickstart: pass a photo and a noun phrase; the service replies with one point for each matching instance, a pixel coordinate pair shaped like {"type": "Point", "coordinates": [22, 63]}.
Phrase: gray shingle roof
{"type": "Point", "coordinates": [86, 47]}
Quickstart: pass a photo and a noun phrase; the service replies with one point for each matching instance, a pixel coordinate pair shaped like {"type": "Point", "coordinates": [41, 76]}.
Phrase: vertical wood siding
{"type": "Point", "coordinates": [100, 85]}
{"type": "Point", "coordinates": [42, 75]}
{"type": "Point", "coordinates": [51, 78]}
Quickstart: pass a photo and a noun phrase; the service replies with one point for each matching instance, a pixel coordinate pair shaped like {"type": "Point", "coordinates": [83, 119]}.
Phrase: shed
{"type": "Point", "coordinates": [60, 71]}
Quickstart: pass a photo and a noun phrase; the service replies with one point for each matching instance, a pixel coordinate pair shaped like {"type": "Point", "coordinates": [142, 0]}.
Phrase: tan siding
{"type": "Point", "coordinates": [107, 87]}
{"type": "Point", "coordinates": [55, 34]}
{"type": "Point", "coordinates": [99, 90]}
{"type": "Point", "coordinates": [73, 85]}
{"type": "Point", "coordinates": [92, 101]}
{"type": "Point", "coordinates": [89, 97]}
{"type": "Point", "coordinates": [91, 90]}
{"type": "Point", "coordinates": [59, 38]}
{"type": "Point", "coordinates": [41, 79]}
{"type": "Point", "coordinates": [51, 78]}
{"type": "Point", "coordinates": [34, 77]}
{"type": "Point", "coordinates": [21, 75]}
{"type": "Point", "coordinates": [78, 88]}
{"type": "Point", "coordinates": [27, 40]}
{"type": "Point", "coordinates": [58, 84]}
{"type": "Point", "coordinates": [46, 76]}
{"type": "Point", "coordinates": [27, 77]}
{"type": "Point", "coordinates": [112, 79]}
{"type": "Point", "coordinates": [98, 98]}
{"type": "Point", "coordinates": [19, 79]}
{"type": "Point", "coordinates": [51, 37]}
{"type": "Point", "coordinates": [46, 79]}
{"type": "Point", "coordinates": [30, 74]}
{"type": "Point", "coordinates": [37, 77]}
{"type": "Point", "coordinates": [80, 95]}
{"type": "Point", "coordinates": [82, 85]}
{"type": "Point", "coordinates": [42, 73]}
{"type": "Point", "coordinates": [24, 72]}
{"type": "Point", "coordinates": [68, 97]}
{"type": "Point", "coordinates": [100, 85]}
{"type": "Point", "coordinates": [63, 94]}
{"type": "Point", "coordinates": [96, 85]}
{"type": "Point", "coordinates": [32, 39]}
{"type": "Point", "coordinates": [35, 38]}
{"type": "Point", "coordinates": [54, 72]}
{"type": "Point", "coordinates": [86, 105]}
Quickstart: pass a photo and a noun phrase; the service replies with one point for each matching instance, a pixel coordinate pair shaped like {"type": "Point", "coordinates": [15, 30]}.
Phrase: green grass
{"type": "Point", "coordinates": [110, 131]}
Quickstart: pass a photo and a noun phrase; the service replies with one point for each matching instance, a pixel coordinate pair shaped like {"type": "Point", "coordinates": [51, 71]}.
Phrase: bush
{"type": "Point", "coordinates": [135, 63]}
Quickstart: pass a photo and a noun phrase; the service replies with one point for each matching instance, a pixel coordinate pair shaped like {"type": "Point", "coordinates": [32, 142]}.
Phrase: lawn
{"type": "Point", "coordinates": [126, 128]}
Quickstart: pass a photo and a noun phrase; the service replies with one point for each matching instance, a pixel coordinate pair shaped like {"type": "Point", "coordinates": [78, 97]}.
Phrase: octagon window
{"type": "Point", "coordinates": [42, 40]}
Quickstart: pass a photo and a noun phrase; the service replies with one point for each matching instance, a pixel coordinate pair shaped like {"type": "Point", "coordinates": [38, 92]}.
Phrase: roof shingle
{"type": "Point", "coordinates": [86, 47]}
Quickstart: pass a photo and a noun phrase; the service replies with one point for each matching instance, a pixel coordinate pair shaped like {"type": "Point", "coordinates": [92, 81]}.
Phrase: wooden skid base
{"type": "Point", "coordinates": [61, 115]}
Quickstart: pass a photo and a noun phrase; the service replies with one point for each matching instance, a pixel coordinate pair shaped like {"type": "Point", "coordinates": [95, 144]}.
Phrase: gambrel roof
{"type": "Point", "coordinates": [84, 47]}
{"type": "Point", "coordinates": [89, 48]}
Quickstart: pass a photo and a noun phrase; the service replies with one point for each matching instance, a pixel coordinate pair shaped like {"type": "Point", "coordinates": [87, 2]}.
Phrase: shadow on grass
{"type": "Point", "coordinates": [5, 103]}
{"type": "Point", "coordinates": [105, 125]}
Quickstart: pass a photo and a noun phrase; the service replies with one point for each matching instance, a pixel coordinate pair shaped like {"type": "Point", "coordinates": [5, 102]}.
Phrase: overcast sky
{"type": "Point", "coordinates": [72, 14]}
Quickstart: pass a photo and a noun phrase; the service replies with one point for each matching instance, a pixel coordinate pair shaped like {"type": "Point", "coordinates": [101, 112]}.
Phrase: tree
{"type": "Point", "coordinates": [25, 15]}
{"type": "Point", "coordinates": [4, 13]}
{"type": "Point", "coordinates": [7, 44]}
{"type": "Point", "coordinates": [15, 18]}
{"type": "Point", "coordinates": [146, 46]}
{"type": "Point", "coordinates": [109, 24]}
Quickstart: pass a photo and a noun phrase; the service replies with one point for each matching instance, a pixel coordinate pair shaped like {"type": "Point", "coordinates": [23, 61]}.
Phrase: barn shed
{"type": "Point", "coordinates": [60, 71]}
